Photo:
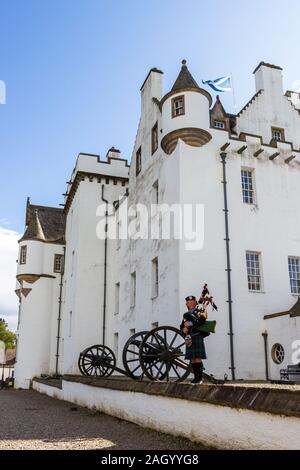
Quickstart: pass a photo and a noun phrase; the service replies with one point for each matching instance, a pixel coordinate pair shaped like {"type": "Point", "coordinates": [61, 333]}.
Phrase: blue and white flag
{"type": "Point", "coordinates": [220, 84]}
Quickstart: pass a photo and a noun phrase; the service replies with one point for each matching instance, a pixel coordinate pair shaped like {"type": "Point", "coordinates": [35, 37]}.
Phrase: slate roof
{"type": "Point", "coordinates": [44, 223]}
{"type": "Point", "coordinates": [294, 311]}
{"type": "Point", "coordinates": [184, 79]}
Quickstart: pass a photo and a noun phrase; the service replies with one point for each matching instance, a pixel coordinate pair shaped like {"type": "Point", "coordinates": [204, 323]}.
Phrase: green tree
{"type": "Point", "coordinates": [7, 336]}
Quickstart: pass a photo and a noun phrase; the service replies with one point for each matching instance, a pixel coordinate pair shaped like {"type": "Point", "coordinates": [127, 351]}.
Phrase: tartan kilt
{"type": "Point", "coordinates": [197, 349]}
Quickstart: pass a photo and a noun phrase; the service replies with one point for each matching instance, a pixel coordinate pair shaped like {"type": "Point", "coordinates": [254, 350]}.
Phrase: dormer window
{"type": "Point", "coordinates": [178, 108]}
{"type": "Point", "coordinates": [219, 124]}
{"type": "Point", "coordinates": [278, 134]}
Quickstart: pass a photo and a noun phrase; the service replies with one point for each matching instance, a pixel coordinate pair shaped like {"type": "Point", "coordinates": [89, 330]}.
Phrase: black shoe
{"type": "Point", "coordinates": [198, 373]}
{"type": "Point", "coordinates": [196, 381]}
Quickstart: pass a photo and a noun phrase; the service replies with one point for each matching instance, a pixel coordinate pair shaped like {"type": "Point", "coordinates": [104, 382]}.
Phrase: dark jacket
{"type": "Point", "coordinates": [197, 322]}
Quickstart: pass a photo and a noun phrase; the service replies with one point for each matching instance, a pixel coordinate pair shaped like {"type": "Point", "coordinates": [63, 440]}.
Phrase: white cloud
{"type": "Point", "coordinates": [8, 255]}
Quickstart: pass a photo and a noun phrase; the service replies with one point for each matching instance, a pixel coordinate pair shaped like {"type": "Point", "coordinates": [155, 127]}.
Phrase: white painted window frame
{"type": "Point", "coordinates": [260, 272]}
{"type": "Point", "coordinates": [296, 261]}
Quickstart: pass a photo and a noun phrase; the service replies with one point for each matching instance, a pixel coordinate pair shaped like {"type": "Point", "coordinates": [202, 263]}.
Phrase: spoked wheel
{"type": "Point", "coordinates": [80, 362]}
{"type": "Point", "coordinates": [162, 355]}
{"type": "Point", "coordinates": [131, 360]}
{"type": "Point", "coordinates": [97, 361]}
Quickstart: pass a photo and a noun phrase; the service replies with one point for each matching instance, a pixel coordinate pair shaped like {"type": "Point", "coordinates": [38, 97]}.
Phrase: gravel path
{"type": "Point", "coordinates": [29, 420]}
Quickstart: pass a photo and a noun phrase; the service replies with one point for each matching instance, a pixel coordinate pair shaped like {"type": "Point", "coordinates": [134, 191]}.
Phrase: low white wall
{"type": "Point", "coordinates": [217, 426]}
{"type": "Point", "coordinates": [53, 392]}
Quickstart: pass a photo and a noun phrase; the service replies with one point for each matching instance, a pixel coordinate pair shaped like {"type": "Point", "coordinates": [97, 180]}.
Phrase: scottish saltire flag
{"type": "Point", "coordinates": [220, 84]}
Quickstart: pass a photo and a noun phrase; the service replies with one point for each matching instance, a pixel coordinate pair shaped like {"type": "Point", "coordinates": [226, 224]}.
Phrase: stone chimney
{"type": "Point", "coordinates": [113, 153]}
{"type": "Point", "coordinates": [268, 77]}
{"type": "Point", "coordinates": [152, 86]}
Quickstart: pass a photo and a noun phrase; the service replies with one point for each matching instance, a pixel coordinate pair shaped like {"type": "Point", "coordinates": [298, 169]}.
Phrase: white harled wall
{"type": "Point", "coordinates": [37, 330]}
{"type": "Point", "coordinates": [84, 268]}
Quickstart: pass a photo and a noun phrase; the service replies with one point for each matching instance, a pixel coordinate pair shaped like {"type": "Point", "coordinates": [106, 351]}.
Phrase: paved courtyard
{"type": "Point", "coordinates": [29, 420]}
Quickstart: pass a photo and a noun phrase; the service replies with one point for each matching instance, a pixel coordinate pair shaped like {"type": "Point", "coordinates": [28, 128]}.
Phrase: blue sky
{"type": "Point", "coordinates": [73, 69]}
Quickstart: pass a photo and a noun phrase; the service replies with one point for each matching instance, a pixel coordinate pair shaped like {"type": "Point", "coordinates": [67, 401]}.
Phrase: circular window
{"type": "Point", "coordinates": [277, 353]}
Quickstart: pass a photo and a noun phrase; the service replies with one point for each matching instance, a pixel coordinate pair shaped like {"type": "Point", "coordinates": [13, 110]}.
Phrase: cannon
{"type": "Point", "coordinates": [157, 355]}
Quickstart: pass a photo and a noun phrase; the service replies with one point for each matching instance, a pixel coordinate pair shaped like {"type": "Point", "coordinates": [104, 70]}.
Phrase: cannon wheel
{"type": "Point", "coordinates": [97, 361]}
{"type": "Point", "coordinates": [130, 356]}
{"type": "Point", "coordinates": [80, 362]}
{"type": "Point", "coordinates": [162, 354]}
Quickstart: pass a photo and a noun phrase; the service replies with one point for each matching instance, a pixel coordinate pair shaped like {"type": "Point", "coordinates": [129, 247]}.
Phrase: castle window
{"type": "Point", "coordinates": [23, 254]}
{"type": "Point", "coordinates": [154, 138]}
{"type": "Point", "coordinates": [58, 260]}
{"type": "Point", "coordinates": [247, 186]}
{"type": "Point", "coordinates": [138, 161]}
{"type": "Point", "coordinates": [253, 271]}
{"type": "Point", "coordinates": [277, 353]}
{"type": "Point", "coordinates": [178, 108]}
{"type": "Point", "coordinates": [132, 289]}
{"type": "Point", "coordinates": [278, 134]}
{"type": "Point", "coordinates": [155, 193]}
{"type": "Point", "coordinates": [294, 273]}
{"type": "Point", "coordinates": [219, 124]}
{"type": "Point", "coordinates": [154, 278]}
{"type": "Point", "coordinates": [116, 345]}
{"type": "Point", "coordinates": [70, 323]}
{"type": "Point", "coordinates": [117, 298]}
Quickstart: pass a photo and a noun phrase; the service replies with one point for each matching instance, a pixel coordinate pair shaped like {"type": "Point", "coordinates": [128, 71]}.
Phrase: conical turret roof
{"type": "Point", "coordinates": [184, 79]}
{"type": "Point", "coordinates": [46, 224]}
{"type": "Point", "coordinates": [34, 230]}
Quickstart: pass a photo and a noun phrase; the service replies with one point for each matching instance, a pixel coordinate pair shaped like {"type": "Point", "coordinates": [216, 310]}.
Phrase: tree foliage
{"type": "Point", "coordinates": [7, 336]}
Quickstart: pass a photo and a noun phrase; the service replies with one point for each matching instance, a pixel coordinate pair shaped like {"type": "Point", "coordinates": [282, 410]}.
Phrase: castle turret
{"type": "Point", "coordinates": [185, 113]}
{"type": "Point", "coordinates": [38, 283]}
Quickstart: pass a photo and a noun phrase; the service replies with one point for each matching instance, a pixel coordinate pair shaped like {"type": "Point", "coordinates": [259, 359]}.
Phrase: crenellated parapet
{"type": "Point", "coordinates": [112, 171]}
{"type": "Point", "coordinates": [253, 147]}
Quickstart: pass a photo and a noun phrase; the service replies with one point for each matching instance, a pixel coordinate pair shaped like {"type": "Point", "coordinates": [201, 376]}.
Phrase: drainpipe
{"type": "Point", "coordinates": [265, 336]}
{"type": "Point", "coordinates": [105, 267]}
{"type": "Point", "coordinates": [59, 311]}
{"type": "Point", "coordinates": [223, 156]}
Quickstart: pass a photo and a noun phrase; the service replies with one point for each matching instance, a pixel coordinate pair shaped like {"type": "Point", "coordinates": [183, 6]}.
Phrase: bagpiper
{"type": "Point", "coordinates": [196, 327]}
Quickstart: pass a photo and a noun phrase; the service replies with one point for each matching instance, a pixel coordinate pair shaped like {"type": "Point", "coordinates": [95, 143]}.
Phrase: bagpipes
{"type": "Point", "coordinates": [204, 301]}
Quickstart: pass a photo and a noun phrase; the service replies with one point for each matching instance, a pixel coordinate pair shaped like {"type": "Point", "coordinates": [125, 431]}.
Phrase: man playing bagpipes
{"type": "Point", "coordinates": [196, 327]}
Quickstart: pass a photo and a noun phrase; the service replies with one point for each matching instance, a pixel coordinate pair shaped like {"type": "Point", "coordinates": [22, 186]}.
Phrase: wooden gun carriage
{"type": "Point", "coordinates": [158, 354]}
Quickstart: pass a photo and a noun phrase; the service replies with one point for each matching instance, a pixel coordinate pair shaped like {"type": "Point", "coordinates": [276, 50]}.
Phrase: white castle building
{"type": "Point", "coordinates": [77, 289]}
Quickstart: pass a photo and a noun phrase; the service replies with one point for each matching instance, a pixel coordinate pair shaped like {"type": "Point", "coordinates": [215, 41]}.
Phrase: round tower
{"type": "Point", "coordinates": [38, 277]}
{"type": "Point", "coordinates": [185, 113]}
{"type": "Point", "coordinates": [31, 250]}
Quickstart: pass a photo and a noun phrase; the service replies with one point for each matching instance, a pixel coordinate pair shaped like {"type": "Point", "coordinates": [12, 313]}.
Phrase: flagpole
{"type": "Point", "coordinates": [233, 93]}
